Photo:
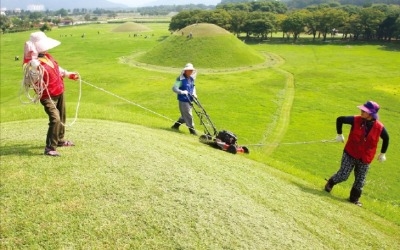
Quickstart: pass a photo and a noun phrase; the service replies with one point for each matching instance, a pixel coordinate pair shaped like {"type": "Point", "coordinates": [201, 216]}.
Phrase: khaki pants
{"type": "Point", "coordinates": [55, 109]}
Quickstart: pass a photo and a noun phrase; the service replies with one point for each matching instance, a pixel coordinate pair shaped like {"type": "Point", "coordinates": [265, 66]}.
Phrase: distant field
{"type": "Point", "coordinates": [282, 102]}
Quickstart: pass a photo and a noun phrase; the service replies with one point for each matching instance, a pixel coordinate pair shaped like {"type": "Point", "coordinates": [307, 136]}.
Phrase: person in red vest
{"type": "Point", "coordinates": [47, 77]}
{"type": "Point", "coordinates": [360, 148]}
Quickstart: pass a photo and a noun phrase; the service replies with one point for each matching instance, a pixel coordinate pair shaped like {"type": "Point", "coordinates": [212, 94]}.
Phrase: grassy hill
{"type": "Point", "coordinates": [216, 47]}
{"type": "Point", "coordinates": [129, 186]}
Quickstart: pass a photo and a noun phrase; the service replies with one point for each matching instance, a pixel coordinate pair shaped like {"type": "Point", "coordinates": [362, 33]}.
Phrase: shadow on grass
{"type": "Point", "coordinates": [23, 150]}
{"type": "Point", "coordinates": [319, 192]}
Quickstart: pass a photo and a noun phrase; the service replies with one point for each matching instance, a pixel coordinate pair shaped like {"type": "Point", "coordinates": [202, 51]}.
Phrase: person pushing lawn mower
{"type": "Point", "coordinates": [185, 89]}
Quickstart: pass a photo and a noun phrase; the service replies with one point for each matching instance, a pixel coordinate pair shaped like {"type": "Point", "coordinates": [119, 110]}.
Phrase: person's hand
{"type": "Point", "coordinates": [35, 63]}
{"type": "Point", "coordinates": [73, 76]}
{"type": "Point", "coordinates": [381, 157]}
{"type": "Point", "coordinates": [340, 138]}
{"type": "Point", "coordinates": [184, 92]}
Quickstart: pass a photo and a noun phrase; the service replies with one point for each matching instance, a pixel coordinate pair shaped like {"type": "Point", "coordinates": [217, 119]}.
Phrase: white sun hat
{"type": "Point", "coordinates": [43, 43]}
{"type": "Point", "coordinates": [188, 66]}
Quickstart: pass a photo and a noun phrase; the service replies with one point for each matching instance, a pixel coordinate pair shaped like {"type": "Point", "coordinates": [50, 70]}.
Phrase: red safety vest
{"type": "Point", "coordinates": [361, 146]}
{"type": "Point", "coordinates": [53, 77]}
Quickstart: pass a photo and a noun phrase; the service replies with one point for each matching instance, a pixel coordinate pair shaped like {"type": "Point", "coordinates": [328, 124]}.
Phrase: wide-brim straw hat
{"type": "Point", "coordinates": [42, 42]}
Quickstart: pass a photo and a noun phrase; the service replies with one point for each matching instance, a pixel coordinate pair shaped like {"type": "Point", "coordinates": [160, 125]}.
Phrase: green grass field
{"type": "Point", "coordinates": [132, 183]}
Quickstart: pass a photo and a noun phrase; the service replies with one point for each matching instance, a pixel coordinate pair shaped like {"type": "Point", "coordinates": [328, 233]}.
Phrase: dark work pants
{"type": "Point", "coordinates": [55, 109]}
{"type": "Point", "coordinates": [360, 174]}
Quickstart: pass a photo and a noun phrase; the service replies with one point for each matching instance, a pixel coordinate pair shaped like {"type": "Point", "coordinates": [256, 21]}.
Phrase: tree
{"type": "Point", "coordinates": [238, 21]}
{"type": "Point", "coordinates": [294, 24]}
{"type": "Point", "coordinates": [331, 18]}
{"type": "Point", "coordinates": [5, 23]}
{"type": "Point", "coordinates": [370, 19]}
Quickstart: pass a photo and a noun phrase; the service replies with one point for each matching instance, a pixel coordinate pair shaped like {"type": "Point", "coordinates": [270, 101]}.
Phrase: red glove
{"type": "Point", "coordinates": [73, 76]}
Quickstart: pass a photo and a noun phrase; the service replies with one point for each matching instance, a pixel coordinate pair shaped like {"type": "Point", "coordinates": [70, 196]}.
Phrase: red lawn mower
{"type": "Point", "coordinates": [223, 139]}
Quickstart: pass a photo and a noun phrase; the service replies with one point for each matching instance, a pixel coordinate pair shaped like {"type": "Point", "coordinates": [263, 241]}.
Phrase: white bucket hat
{"type": "Point", "coordinates": [188, 66]}
{"type": "Point", "coordinates": [43, 43]}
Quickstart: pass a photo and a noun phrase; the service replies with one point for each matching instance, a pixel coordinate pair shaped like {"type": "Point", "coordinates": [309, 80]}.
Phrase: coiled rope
{"type": "Point", "coordinates": [33, 87]}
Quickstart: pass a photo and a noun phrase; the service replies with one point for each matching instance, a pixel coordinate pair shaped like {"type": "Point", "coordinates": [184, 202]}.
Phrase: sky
{"type": "Point", "coordinates": [141, 3]}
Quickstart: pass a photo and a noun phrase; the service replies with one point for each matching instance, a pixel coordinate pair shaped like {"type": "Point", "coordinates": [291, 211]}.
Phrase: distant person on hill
{"type": "Point", "coordinates": [360, 148]}
{"type": "Point", "coordinates": [185, 89]}
{"type": "Point", "coordinates": [47, 77]}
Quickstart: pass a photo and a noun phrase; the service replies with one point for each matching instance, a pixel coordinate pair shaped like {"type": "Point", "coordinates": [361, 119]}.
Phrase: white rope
{"type": "Point", "coordinates": [33, 82]}
{"type": "Point", "coordinates": [128, 101]}
{"type": "Point", "coordinates": [293, 143]}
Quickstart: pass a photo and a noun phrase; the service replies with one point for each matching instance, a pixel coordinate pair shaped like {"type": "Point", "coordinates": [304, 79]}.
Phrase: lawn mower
{"type": "Point", "coordinates": [223, 139]}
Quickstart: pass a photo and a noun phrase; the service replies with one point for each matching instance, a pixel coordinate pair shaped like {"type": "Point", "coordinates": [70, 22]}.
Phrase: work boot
{"type": "Point", "coordinates": [355, 194]}
{"type": "Point", "coordinates": [329, 185]}
{"type": "Point", "coordinates": [192, 131]}
{"type": "Point", "coordinates": [176, 125]}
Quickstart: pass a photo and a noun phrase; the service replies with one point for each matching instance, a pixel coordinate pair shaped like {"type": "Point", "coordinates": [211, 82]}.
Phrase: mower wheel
{"type": "Point", "coordinates": [203, 138]}
{"type": "Point", "coordinates": [232, 149]}
{"type": "Point", "coordinates": [246, 150]}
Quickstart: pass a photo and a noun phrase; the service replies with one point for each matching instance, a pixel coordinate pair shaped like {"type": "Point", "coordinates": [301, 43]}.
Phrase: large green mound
{"type": "Point", "coordinates": [131, 27]}
{"type": "Point", "coordinates": [209, 46]}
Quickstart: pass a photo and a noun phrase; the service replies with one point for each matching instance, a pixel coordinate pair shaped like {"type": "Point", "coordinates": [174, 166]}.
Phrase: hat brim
{"type": "Point", "coordinates": [46, 44]}
{"type": "Point", "coordinates": [363, 108]}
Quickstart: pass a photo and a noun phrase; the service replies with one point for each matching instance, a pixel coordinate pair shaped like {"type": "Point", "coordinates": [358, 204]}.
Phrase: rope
{"type": "Point", "coordinates": [128, 101]}
{"type": "Point", "coordinates": [293, 143]}
{"type": "Point", "coordinates": [163, 116]}
{"type": "Point", "coordinates": [33, 82]}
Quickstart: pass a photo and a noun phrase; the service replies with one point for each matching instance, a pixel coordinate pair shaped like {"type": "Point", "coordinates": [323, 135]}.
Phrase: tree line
{"type": "Point", "coordinates": [258, 19]}
{"type": "Point", "coordinates": [255, 19]}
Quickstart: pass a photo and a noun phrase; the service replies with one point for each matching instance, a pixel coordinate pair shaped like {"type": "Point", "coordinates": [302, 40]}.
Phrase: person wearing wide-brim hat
{"type": "Point", "coordinates": [49, 87]}
{"type": "Point", "coordinates": [360, 148]}
{"type": "Point", "coordinates": [185, 89]}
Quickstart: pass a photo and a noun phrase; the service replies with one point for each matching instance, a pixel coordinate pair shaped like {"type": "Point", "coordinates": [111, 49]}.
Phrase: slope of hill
{"type": "Point", "coordinates": [140, 189]}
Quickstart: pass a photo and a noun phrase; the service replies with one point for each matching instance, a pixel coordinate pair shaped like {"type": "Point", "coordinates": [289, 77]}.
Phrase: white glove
{"type": "Point", "coordinates": [34, 63]}
{"type": "Point", "coordinates": [340, 138]}
{"type": "Point", "coordinates": [381, 157]}
{"type": "Point", "coordinates": [184, 92]}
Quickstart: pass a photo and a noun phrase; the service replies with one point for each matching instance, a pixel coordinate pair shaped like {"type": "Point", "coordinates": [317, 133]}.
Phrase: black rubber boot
{"type": "Point", "coordinates": [355, 194]}
{"type": "Point", "coordinates": [176, 125]}
{"type": "Point", "coordinates": [192, 131]}
{"type": "Point", "coordinates": [329, 185]}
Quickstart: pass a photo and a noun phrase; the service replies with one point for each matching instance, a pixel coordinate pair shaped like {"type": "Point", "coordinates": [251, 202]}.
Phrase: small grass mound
{"type": "Point", "coordinates": [209, 46]}
{"type": "Point", "coordinates": [131, 27]}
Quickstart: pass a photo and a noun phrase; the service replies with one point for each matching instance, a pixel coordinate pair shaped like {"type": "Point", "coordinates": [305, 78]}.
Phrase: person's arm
{"type": "Point", "coordinates": [176, 87]}
{"type": "Point", "coordinates": [70, 75]}
{"type": "Point", "coordinates": [385, 140]}
{"type": "Point", "coordinates": [343, 120]}
{"type": "Point", "coordinates": [194, 91]}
